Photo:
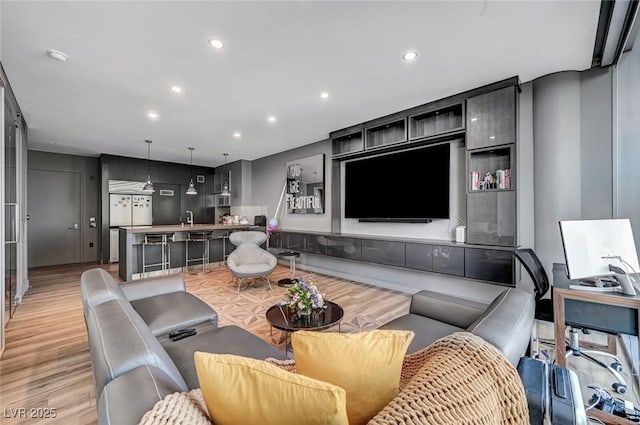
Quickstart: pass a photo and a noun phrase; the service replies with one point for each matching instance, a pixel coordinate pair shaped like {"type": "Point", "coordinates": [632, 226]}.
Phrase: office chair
{"type": "Point", "coordinates": [544, 312]}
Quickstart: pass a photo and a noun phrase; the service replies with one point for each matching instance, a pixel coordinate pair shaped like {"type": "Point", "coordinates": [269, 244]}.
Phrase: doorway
{"type": "Point", "coordinates": [54, 217]}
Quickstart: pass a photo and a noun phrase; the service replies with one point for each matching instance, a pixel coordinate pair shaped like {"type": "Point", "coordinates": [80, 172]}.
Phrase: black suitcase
{"type": "Point", "coordinates": [553, 393]}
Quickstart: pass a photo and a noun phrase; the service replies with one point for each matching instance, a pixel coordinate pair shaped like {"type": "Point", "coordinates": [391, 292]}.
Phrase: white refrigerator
{"type": "Point", "coordinates": [127, 210]}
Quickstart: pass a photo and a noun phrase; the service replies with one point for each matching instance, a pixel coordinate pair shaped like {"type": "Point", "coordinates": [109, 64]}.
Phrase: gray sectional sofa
{"type": "Point", "coordinates": [135, 363]}
{"type": "Point", "coordinates": [506, 322]}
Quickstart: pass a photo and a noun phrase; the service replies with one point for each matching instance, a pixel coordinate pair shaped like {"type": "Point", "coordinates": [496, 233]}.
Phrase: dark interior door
{"type": "Point", "coordinates": [54, 223]}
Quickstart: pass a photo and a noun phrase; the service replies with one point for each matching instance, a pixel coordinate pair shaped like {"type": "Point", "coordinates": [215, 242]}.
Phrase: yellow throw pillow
{"type": "Point", "coordinates": [239, 390]}
{"type": "Point", "coordinates": [367, 365]}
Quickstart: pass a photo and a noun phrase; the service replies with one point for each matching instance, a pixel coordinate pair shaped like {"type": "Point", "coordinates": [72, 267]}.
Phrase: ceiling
{"type": "Point", "coordinates": [279, 57]}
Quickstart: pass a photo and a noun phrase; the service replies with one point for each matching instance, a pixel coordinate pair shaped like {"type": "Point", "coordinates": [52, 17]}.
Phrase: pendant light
{"type": "Point", "coordinates": [191, 190]}
{"type": "Point", "coordinates": [225, 184]}
{"type": "Point", "coordinates": [149, 186]}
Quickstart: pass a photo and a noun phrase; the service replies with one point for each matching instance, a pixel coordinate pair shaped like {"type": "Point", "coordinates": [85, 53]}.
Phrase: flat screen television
{"type": "Point", "coordinates": [407, 186]}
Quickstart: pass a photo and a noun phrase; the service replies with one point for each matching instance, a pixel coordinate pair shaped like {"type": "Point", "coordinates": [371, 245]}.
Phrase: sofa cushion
{"type": "Point", "coordinates": [507, 323]}
{"type": "Point", "coordinates": [128, 397]}
{"type": "Point", "coordinates": [426, 330]}
{"type": "Point", "coordinates": [366, 364]}
{"type": "Point", "coordinates": [240, 390]}
{"type": "Point", "coordinates": [168, 312]}
{"type": "Point", "coordinates": [224, 340]}
{"type": "Point", "coordinates": [120, 341]}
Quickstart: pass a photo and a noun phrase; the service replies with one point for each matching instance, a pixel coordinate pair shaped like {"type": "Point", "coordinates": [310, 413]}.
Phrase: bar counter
{"type": "Point", "coordinates": [131, 242]}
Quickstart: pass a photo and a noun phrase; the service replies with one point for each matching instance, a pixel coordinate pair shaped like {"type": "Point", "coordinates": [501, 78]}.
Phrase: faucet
{"type": "Point", "coordinates": [189, 217]}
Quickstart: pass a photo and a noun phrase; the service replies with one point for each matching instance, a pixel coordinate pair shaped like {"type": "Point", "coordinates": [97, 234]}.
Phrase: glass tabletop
{"type": "Point", "coordinates": [281, 318]}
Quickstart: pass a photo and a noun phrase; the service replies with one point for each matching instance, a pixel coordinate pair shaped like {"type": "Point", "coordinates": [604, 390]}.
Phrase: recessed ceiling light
{"type": "Point", "coordinates": [271, 118]}
{"type": "Point", "coordinates": [57, 55]}
{"type": "Point", "coordinates": [410, 56]}
{"type": "Point", "coordinates": [176, 89]}
{"type": "Point", "coordinates": [153, 115]}
{"type": "Point", "coordinates": [216, 44]}
{"type": "Point", "coordinates": [324, 95]}
{"type": "Point", "coordinates": [237, 135]}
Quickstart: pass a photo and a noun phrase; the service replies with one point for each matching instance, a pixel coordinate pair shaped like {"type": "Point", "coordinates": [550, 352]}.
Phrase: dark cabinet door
{"type": "Point", "coordinates": [491, 218]}
{"type": "Point", "coordinates": [419, 256]}
{"type": "Point", "coordinates": [337, 246]}
{"type": "Point", "coordinates": [491, 118]}
{"type": "Point", "coordinates": [489, 264]}
{"type": "Point", "coordinates": [448, 260]}
{"type": "Point", "coordinates": [383, 252]}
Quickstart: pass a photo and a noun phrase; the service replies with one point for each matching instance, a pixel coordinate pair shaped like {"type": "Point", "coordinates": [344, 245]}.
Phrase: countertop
{"type": "Point", "coordinates": [186, 228]}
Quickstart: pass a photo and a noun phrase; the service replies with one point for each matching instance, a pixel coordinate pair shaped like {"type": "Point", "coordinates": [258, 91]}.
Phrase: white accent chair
{"type": "Point", "coordinates": [248, 260]}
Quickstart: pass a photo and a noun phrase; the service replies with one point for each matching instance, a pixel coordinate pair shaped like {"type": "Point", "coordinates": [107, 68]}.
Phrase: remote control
{"type": "Point", "coordinates": [184, 335]}
{"type": "Point", "coordinates": [180, 332]}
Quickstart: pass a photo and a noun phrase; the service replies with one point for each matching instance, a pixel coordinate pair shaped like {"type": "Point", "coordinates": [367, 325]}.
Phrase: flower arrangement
{"type": "Point", "coordinates": [304, 296]}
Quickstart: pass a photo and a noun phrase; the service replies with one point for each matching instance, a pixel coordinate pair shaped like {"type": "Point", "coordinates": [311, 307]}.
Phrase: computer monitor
{"type": "Point", "coordinates": [590, 246]}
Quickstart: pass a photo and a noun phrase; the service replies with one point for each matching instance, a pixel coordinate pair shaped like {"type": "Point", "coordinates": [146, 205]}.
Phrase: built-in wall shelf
{"type": "Point", "coordinates": [435, 122]}
{"type": "Point", "coordinates": [490, 169]}
{"type": "Point", "coordinates": [482, 263]}
{"type": "Point", "coordinates": [349, 143]}
{"type": "Point", "coordinates": [386, 134]}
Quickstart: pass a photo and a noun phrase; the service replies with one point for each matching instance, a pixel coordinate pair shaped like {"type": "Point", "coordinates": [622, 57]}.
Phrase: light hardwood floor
{"type": "Point", "coordinates": [47, 365]}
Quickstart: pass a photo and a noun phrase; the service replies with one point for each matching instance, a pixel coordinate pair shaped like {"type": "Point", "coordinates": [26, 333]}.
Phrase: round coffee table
{"type": "Point", "coordinates": [291, 255]}
{"type": "Point", "coordinates": [280, 318]}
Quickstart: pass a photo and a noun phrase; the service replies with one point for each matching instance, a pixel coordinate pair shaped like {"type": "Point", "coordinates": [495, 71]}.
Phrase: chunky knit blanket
{"type": "Point", "coordinates": [458, 380]}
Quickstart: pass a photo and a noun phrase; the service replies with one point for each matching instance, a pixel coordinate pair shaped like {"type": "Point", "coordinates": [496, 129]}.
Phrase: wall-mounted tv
{"type": "Point", "coordinates": [406, 186]}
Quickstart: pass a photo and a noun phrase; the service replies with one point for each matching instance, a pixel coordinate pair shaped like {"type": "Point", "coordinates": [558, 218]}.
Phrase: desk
{"type": "Point", "coordinates": [607, 312]}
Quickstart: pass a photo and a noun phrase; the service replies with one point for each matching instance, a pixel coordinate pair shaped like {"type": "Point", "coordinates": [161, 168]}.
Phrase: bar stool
{"type": "Point", "coordinates": [291, 255]}
{"type": "Point", "coordinates": [162, 240]}
{"type": "Point", "coordinates": [204, 238]}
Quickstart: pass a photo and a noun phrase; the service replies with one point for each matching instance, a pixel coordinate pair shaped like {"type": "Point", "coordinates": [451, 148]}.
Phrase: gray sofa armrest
{"type": "Point", "coordinates": [126, 399]}
{"type": "Point", "coordinates": [145, 288]}
{"type": "Point", "coordinates": [507, 323]}
{"type": "Point", "coordinates": [455, 311]}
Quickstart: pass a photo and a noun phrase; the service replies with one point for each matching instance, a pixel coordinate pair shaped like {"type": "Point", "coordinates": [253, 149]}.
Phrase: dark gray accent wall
{"type": "Point", "coordinates": [627, 173]}
{"type": "Point", "coordinates": [166, 175]}
{"type": "Point", "coordinates": [88, 168]}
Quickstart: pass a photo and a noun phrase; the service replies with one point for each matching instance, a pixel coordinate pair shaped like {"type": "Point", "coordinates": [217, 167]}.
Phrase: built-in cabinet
{"type": "Point", "coordinates": [486, 119]}
{"type": "Point", "coordinates": [491, 118]}
{"type": "Point", "coordinates": [473, 262]}
{"type": "Point", "coordinates": [491, 152]}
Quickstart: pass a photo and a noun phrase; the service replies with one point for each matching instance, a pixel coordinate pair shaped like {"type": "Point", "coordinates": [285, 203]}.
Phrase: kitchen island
{"type": "Point", "coordinates": [132, 238]}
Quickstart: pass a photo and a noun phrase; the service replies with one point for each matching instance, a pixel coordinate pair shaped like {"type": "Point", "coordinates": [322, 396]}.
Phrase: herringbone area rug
{"type": "Point", "coordinates": [365, 307]}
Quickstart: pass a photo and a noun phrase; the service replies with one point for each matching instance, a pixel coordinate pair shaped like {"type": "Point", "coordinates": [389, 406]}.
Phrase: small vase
{"type": "Point", "coordinates": [304, 313]}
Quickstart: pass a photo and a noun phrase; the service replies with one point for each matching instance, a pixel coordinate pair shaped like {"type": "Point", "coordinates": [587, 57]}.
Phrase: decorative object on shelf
{"type": "Point", "coordinates": [305, 185]}
{"type": "Point", "coordinates": [501, 179]}
{"type": "Point", "coordinates": [225, 184]}
{"type": "Point", "coordinates": [304, 297]}
{"type": "Point", "coordinates": [191, 190]}
{"type": "Point", "coordinates": [148, 187]}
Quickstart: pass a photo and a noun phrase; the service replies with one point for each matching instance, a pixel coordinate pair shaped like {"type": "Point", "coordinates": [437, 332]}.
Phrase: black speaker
{"type": "Point", "coordinates": [260, 220]}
